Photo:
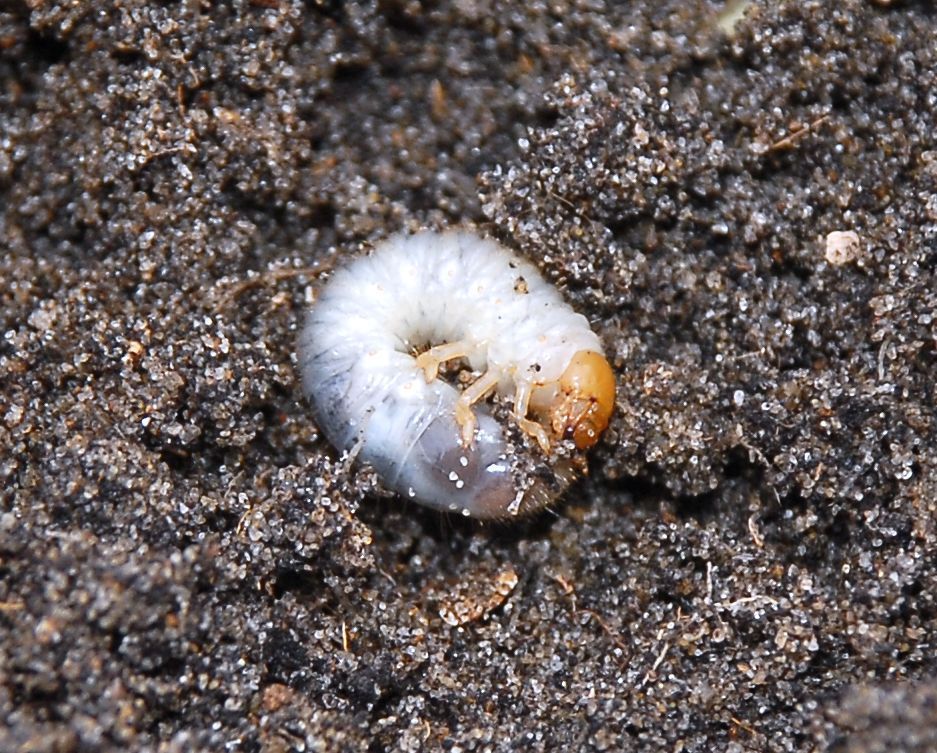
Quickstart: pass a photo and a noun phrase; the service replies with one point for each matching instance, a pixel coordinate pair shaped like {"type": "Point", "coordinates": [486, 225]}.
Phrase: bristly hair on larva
{"type": "Point", "coordinates": [371, 350]}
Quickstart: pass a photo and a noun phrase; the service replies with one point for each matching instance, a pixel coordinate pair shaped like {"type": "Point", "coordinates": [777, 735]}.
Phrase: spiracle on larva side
{"type": "Point", "coordinates": [448, 296]}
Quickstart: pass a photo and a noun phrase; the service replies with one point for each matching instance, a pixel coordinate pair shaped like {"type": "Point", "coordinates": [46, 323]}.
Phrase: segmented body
{"type": "Point", "coordinates": [470, 298]}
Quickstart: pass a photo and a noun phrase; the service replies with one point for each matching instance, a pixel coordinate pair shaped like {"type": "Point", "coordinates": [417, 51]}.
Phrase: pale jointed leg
{"type": "Point", "coordinates": [522, 391]}
{"type": "Point", "coordinates": [464, 415]}
{"type": "Point", "coordinates": [431, 359]}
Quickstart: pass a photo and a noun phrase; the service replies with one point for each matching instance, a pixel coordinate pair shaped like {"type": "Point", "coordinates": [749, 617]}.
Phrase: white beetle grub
{"type": "Point", "coordinates": [446, 297]}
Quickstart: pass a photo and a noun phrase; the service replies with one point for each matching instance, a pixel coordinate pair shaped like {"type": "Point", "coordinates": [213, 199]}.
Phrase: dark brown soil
{"type": "Point", "coordinates": [751, 564]}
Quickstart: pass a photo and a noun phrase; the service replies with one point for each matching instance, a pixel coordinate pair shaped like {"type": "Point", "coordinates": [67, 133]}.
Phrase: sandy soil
{"type": "Point", "coordinates": [750, 565]}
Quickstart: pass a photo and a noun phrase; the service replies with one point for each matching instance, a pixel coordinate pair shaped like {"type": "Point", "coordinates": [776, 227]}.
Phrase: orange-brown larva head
{"type": "Point", "coordinates": [585, 399]}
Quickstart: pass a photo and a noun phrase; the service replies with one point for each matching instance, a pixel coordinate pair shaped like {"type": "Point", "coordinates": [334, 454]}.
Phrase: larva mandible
{"type": "Point", "coordinates": [463, 297]}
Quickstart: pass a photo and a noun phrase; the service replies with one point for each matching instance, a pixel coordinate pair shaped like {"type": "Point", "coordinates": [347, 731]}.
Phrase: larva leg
{"type": "Point", "coordinates": [522, 392]}
{"type": "Point", "coordinates": [464, 415]}
{"type": "Point", "coordinates": [431, 359]}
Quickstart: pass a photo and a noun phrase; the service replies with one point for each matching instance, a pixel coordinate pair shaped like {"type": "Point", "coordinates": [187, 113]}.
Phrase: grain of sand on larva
{"type": "Point", "coordinates": [743, 207]}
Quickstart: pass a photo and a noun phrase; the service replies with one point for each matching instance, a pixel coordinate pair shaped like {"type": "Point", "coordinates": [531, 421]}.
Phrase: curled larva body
{"type": "Point", "coordinates": [468, 298]}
